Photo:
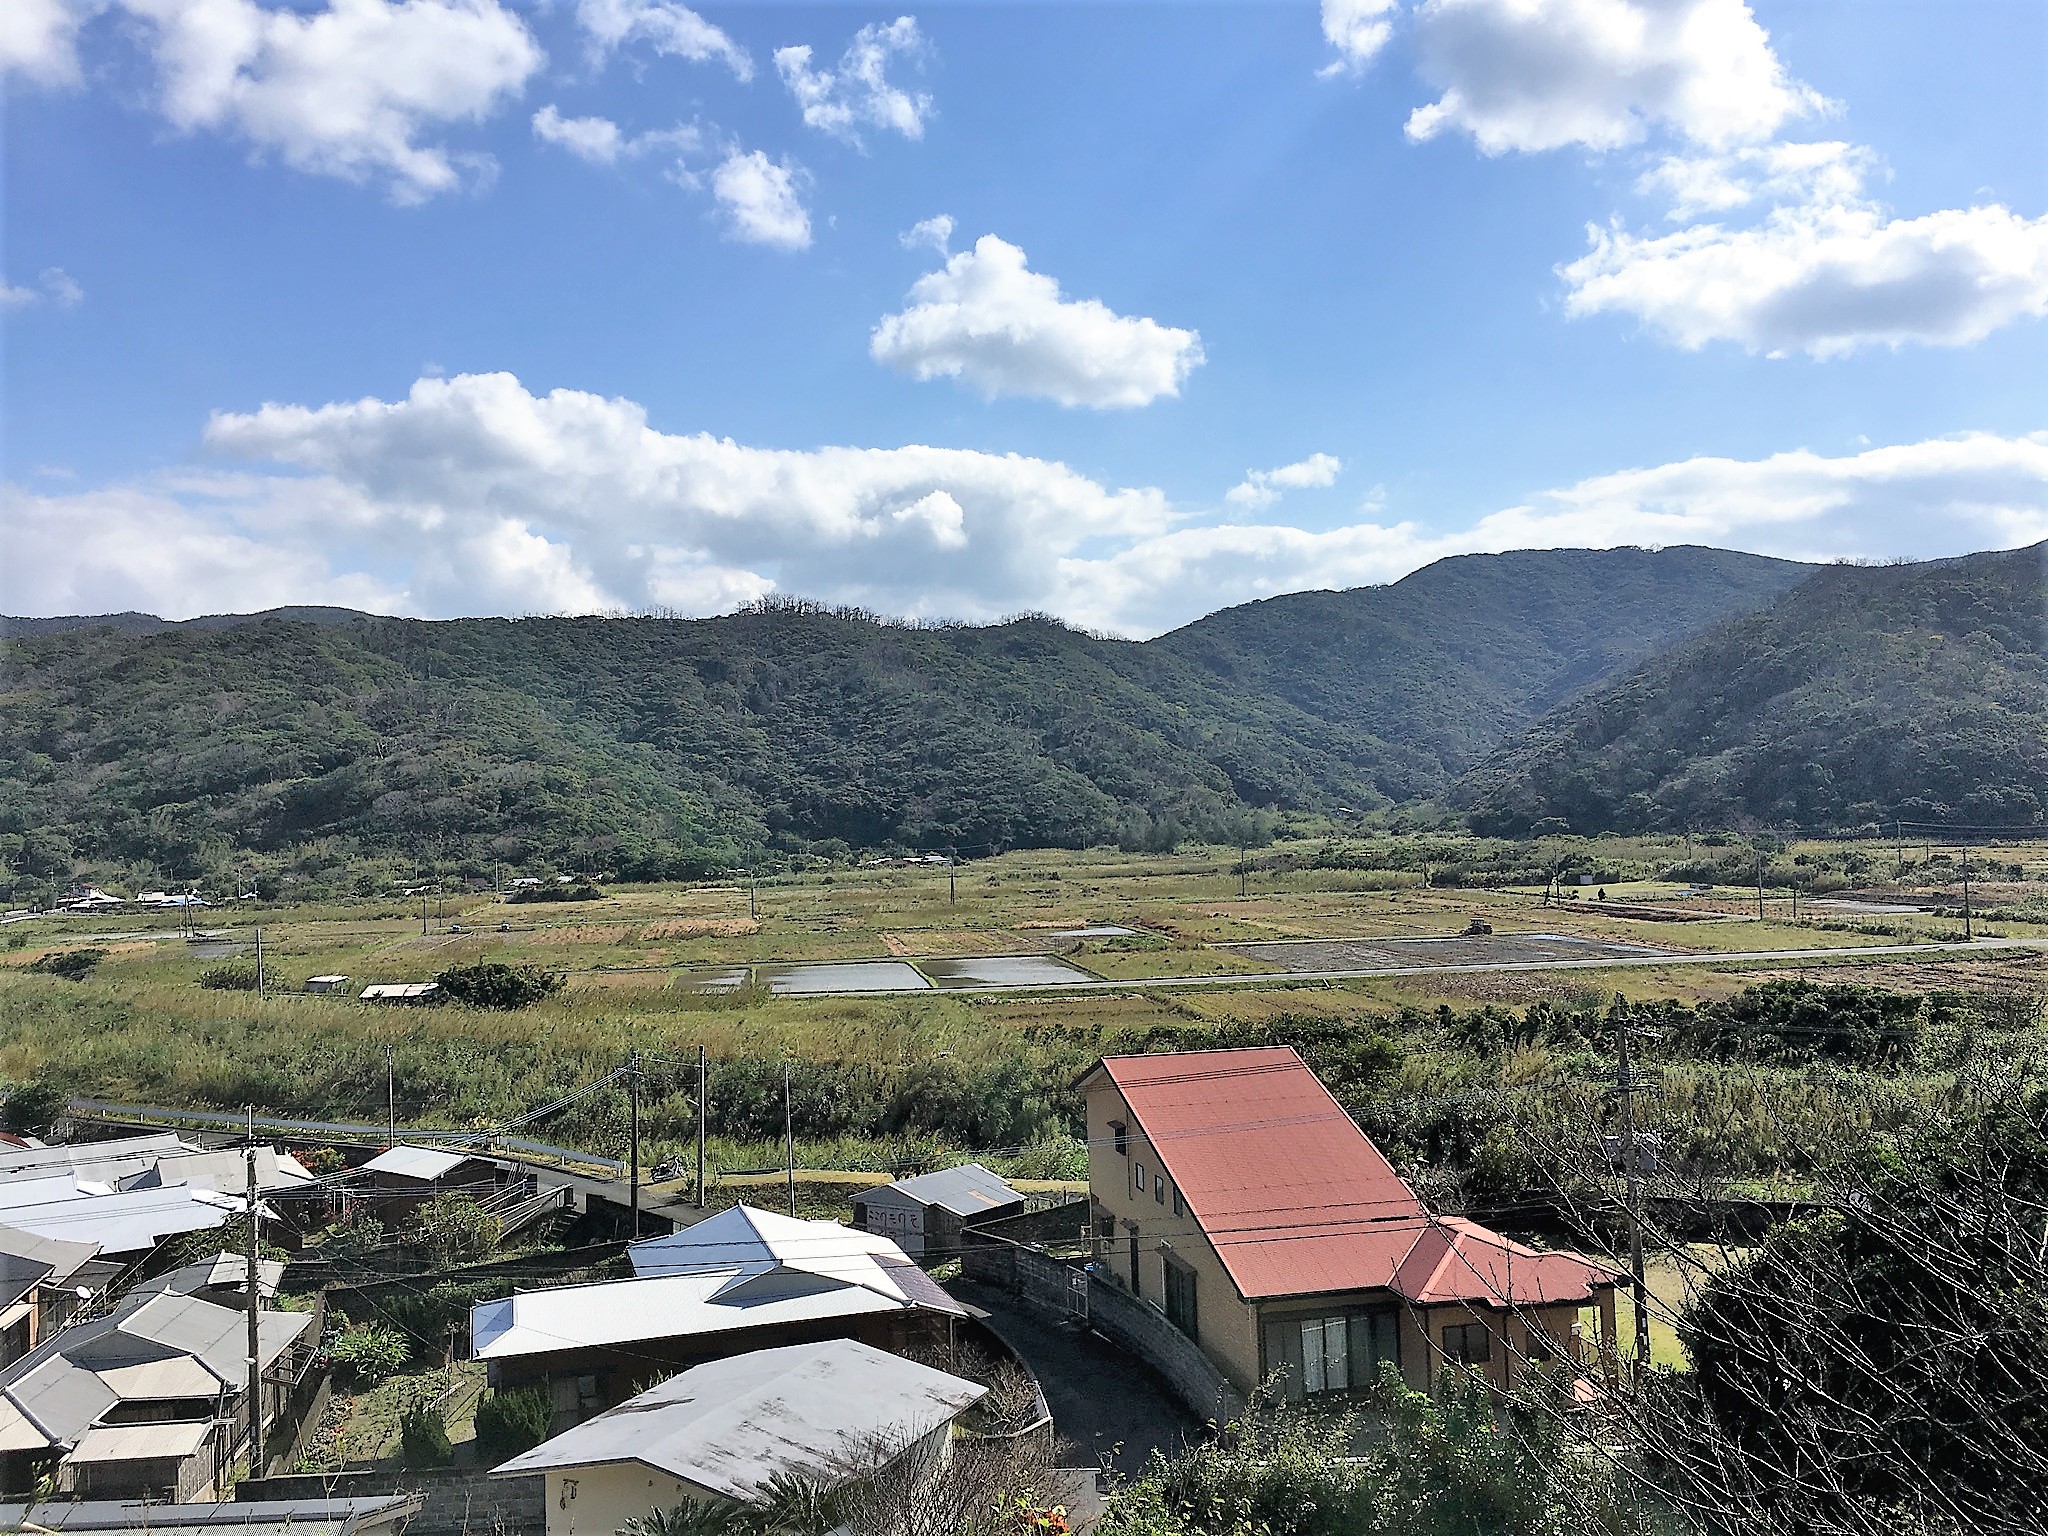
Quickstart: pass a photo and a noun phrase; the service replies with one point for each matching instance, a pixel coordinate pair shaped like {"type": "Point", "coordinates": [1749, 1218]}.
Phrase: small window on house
{"type": "Point", "coordinates": [1179, 1205]}
{"type": "Point", "coordinates": [1122, 1133]}
{"type": "Point", "coordinates": [1469, 1343]}
{"type": "Point", "coordinates": [1138, 1176]}
{"type": "Point", "coordinates": [1159, 1189]}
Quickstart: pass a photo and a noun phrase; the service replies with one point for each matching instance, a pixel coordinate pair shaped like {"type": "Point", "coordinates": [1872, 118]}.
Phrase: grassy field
{"type": "Point", "coordinates": [140, 1026]}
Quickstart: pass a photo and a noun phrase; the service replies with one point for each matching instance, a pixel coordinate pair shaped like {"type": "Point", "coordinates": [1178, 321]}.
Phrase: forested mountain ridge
{"type": "Point", "coordinates": [665, 746]}
{"type": "Point", "coordinates": [1866, 693]}
{"type": "Point", "coordinates": [1465, 653]}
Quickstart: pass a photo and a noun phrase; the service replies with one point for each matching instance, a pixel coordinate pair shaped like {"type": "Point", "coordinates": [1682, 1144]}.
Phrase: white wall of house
{"type": "Point", "coordinates": [596, 1501]}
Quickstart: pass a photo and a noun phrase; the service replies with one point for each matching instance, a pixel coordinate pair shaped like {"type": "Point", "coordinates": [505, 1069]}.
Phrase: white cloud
{"type": "Point", "coordinates": [986, 319]}
{"type": "Point", "coordinates": [348, 90]}
{"type": "Point", "coordinates": [1829, 171]}
{"type": "Point", "coordinates": [1529, 75]}
{"type": "Point", "coordinates": [1822, 278]}
{"type": "Point", "coordinates": [1358, 30]}
{"type": "Point", "coordinates": [39, 39]}
{"type": "Point", "coordinates": [936, 232]}
{"type": "Point", "coordinates": [665, 27]}
{"type": "Point", "coordinates": [474, 495]}
{"type": "Point", "coordinates": [1262, 487]}
{"type": "Point", "coordinates": [601, 141]}
{"type": "Point", "coordinates": [53, 284]}
{"type": "Point", "coordinates": [762, 200]}
{"type": "Point", "coordinates": [857, 94]}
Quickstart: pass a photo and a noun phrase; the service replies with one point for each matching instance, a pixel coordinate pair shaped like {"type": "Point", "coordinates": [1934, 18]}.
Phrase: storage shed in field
{"type": "Point", "coordinates": [923, 1215]}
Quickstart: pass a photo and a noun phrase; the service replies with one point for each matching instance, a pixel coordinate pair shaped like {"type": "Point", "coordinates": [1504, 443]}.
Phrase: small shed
{"type": "Point", "coordinates": [326, 983]}
{"type": "Point", "coordinates": [400, 992]}
{"type": "Point", "coordinates": [924, 1215]}
{"type": "Point", "coordinates": [406, 1176]}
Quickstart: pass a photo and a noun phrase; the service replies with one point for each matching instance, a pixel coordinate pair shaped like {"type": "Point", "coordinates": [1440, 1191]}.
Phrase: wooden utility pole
{"type": "Point", "coordinates": [259, 959]}
{"type": "Point", "coordinates": [1625, 1092]}
{"type": "Point", "coordinates": [1759, 885]}
{"type": "Point", "coordinates": [754, 894]}
{"type": "Point", "coordinates": [788, 1141]}
{"type": "Point", "coordinates": [253, 1292]}
{"type": "Point", "coordinates": [633, 1112]}
{"type": "Point", "coordinates": [952, 896]}
{"type": "Point", "coordinates": [1243, 869]}
{"type": "Point", "coordinates": [701, 1127]}
{"type": "Point", "coordinates": [1968, 930]}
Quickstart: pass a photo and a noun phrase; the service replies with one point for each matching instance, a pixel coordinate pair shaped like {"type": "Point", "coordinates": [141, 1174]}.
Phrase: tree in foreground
{"type": "Point", "coordinates": [1879, 1368]}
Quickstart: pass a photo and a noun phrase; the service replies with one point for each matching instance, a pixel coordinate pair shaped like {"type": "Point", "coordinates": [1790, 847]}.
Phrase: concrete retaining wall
{"type": "Point", "coordinates": [457, 1503]}
{"type": "Point", "coordinates": [1144, 1331]}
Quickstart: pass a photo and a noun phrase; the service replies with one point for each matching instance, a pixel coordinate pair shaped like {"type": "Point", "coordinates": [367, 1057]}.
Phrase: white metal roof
{"type": "Point", "coordinates": [828, 1410]}
{"type": "Point", "coordinates": [29, 1162]}
{"type": "Point", "coordinates": [397, 991]}
{"type": "Point", "coordinates": [755, 1242]}
{"type": "Point", "coordinates": [253, 1517]}
{"type": "Point", "coordinates": [64, 1258]}
{"type": "Point", "coordinates": [120, 1222]}
{"type": "Point", "coordinates": [424, 1163]}
{"type": "Point", "coordinates": [141, 1442]}
{"type": "Point", "coordinates": [968, 1190]}
{"type": "Point", "coordinates": [223, 1269]}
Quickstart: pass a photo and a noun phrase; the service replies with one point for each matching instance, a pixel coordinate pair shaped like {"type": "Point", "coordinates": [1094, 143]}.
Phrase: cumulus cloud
{"type": "Point", "coordinates": [349, 90]}
{"type": "Point", "coordinates": [857, 93]}
{"type": "Point", "coordinates": [1824, 278]}
{"type": "Point", "coordinates": [936, 232]}
{"type": "Point", "coordinates": [1358, 30]}
{"type": "Point", "coordinates": [665, 27]}
{"type": "Point", "coordinates": [601, 141]}
{"type": "Point", "coordinates": [762, 200]}
{"type": "Point", "coordinates": [475, 495]}
{"type": "Point", "coordinates": [53, 285]}
{"type": "Point", "coordinates": [39, 40]}
{"type": "Point", "coordinates": [988, 320]}
{"type": "Point", "coordinates": [1262, 487]}
{"type": "Point", "coordinates": [1530, 75]}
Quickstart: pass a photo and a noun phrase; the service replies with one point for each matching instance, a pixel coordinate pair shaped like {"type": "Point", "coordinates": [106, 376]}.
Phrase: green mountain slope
{"type": "Point", "coordinates": [1444, 665]}
{"type": "Point", "coordinates": [656, 746]}
{"type": "Point", "coordinates": [1867, 693]}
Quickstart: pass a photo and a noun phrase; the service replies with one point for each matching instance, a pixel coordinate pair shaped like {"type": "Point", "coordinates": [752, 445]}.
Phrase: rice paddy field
{"type": "Point", "coordinates": [883, 990]}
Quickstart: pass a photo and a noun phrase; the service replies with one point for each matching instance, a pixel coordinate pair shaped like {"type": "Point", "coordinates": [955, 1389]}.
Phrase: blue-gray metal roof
{"type": "Point", "coordinates": [968, 1190]}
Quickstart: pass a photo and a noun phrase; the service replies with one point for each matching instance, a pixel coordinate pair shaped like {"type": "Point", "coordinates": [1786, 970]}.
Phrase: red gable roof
{"type": "Point", "coordinates": [1297, 1201]}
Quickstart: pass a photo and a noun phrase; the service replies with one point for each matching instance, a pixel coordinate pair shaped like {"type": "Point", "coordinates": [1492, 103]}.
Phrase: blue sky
{"type": "Point", "coordinates": [460, 306]}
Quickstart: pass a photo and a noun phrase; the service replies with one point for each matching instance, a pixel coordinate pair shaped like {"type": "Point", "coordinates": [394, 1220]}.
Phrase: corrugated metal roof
{"type": "Point", "coordinates": [1296, 1199]}
{"type": "Point", "coordinates": [223, 1269]}
{"type": "Point", "coordinates": [968, 1190]}
{"type": "Point", "coordinates": [423, 1163]}
{"type": "Point", "coordinates": [169, 1380]}
{"type": "Point", "coordinates": [255, 1517]}
{"type": "Point", "coordinates": [64, 1259]}
{"type": "Point", "coordinates": [119, 1221]}
{"type": "Point", "coordinates": [398, 991]}
{"type": "Point", "coordinates": [19, 1162]}
{"type": "Point", "coordinates": [140, 1442]}
{"type": "Point", "coordinates": [827, 1410]}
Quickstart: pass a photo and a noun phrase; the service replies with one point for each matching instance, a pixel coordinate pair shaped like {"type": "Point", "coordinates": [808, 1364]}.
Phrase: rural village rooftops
{"type": "Point", "coordinates": [152, 1347]}
{"type": "Point", "coordinates": [222, 1270]}
{"type": "Point", "coordinates": [124, 1221]}
{"type": "Point", "coordinates": [743, 1268]}
{"type": "Point", "coordinates": [732, 1425]}
{"type": "Point", "coordinates": [968, 1190]}
{"type": "Point", "coordinates": [1296, 1199]}
{"type": "Point", "coordinates": [254, 1517]}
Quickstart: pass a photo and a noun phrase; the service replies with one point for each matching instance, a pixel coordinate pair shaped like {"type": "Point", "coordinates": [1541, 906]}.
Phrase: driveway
{"type": "Point", "coordinates": [1112, 1407]}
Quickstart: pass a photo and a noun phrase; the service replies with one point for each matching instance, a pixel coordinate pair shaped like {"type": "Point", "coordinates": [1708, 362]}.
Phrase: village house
{"type": "Point", "coordinates": [723, 1432]}
{"type": "Point", "coordinates": [400, 1179]}
{"type": "Point", "coordinates": [39, 1288]}
{"type": "Point", "coordinates": [1231, 1191]}
{"type": "Point", "coordinates": [924, 1215]}
{"type": "Point", "coordinates": [149, 1402]}
{"type": "Point", "coordinates": [743, 1280]}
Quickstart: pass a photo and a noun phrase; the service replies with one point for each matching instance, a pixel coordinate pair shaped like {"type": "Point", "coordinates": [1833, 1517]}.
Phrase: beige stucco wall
{"type": "Point", "coordinates": [1226, 1326]}
{"type": "Point", "coordinates": [596, 1501]}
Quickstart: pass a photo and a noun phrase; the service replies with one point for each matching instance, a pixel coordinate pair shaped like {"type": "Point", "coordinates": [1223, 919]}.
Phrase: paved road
{"type": "Point", "coordinates": [1111, 1406]}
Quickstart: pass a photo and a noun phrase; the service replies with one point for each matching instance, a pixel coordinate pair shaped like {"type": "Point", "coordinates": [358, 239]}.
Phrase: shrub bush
{"type": "Point", "coordinates": [367, 1353]}
{"type": "Point", "coordinates": [491, 985]}
{"type": "Point", "coordinates": [71, 964]}
{"type": "Point", "coordinates": [228, 978]}
{"type": "Point", "coordinates": [33, 1108]}
{"type": "Point", "coordinates": [510, 1422]}
{"type": "Point", "coordinates": [423, 1437]}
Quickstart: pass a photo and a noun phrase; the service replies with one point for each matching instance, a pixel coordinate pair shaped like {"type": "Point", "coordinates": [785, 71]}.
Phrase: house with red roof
{"type": "Point", "coordinates": [1230, 1190]}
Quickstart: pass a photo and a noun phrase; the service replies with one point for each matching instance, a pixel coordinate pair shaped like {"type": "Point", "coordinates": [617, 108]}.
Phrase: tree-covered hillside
{"type": "Point", "coordinates": [1867, 693]}
{"type": "Point", "coordinates": [650, 746]}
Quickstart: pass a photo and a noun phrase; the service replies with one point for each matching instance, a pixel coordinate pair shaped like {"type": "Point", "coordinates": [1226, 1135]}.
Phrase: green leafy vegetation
{"type": "Point", "coordinates": [71, 964]}
{"type": "Point", "coordinates": [367, 1353]}
{"type": "Point", "coordinates": [1866, 694]}
{"type": "Point", "coordinates": [228, 978]}
{"type": "Point", "coordinates": [508, 1422]}
{"type": "Point", "coordinates": [489, 984]}
{"type": "Point", "coordinates": [423, 1437]}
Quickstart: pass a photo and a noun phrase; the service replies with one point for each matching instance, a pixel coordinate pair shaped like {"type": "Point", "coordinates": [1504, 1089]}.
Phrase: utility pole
{"type": "Point", "coordinates": [1625, 1091]}
{"type": "Point", "coordinates": [701, 1125]}
{"type": "Point", "coordinates": [633, 1100]}
{"type": "Point", "coordinates": [788, 1141]}
{"type": "Point", "coordinates": [952, 896]}
{"type": "Point", "coordinates": [1759, 885]}
{"type": "Point", "coordinates": [254, 1295]}
{"type": "Point", "coordinates": [391, 1089]}
{"type": "Point", "coordinates": [1898, 852]}
{"type": "Point", "coordinates": [259, 959]}
{"type": "Point", "coordinates": [423, 910]}
{"type": "Point", "coordinates": [1968, 930]}
{"type": "Point", "coordinates": [753, 893]}
{"type": "Point", "coordinates": [1243, 869]}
